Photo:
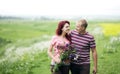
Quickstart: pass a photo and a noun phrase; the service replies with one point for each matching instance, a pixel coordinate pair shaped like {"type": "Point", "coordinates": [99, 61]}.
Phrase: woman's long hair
{"type": "Point", "coordinates": [59, 28]}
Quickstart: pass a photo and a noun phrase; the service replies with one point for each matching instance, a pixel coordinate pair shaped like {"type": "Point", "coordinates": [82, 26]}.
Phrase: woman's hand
{"type": "Point", "coordinates": [57, 59]}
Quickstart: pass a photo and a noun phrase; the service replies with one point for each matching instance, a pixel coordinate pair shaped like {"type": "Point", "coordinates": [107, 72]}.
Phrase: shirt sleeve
{"type": "Point", "coordinates": [92, 43]}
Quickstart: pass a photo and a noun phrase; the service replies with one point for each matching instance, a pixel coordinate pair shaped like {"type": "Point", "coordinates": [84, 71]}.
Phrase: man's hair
{"type": "Point", "coordinates": [84, 23]}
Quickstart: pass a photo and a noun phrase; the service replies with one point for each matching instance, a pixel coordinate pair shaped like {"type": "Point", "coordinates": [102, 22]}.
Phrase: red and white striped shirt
{"type": "Point", "coordinates": [83, 43]}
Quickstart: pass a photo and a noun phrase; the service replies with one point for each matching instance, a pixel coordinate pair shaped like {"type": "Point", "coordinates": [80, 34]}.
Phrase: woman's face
{"type": "Point", "coordinates": [66, 28]}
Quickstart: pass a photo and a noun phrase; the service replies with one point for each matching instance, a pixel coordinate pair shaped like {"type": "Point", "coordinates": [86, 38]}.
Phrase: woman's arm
{"type": "Point", "coordinates": [56, 59]}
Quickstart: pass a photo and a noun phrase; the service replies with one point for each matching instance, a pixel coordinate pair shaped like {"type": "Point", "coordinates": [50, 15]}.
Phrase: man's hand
{"type": "Point", "coordinates": [94, 70]}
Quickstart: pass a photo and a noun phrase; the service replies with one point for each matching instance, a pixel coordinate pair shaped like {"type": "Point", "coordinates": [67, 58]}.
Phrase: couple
{"type": "Point", "coordinates": [83, 42]}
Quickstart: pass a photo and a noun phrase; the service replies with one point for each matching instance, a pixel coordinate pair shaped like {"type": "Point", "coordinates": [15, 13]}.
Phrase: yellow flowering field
{"type": "Point", "coordinates": [110, 28]}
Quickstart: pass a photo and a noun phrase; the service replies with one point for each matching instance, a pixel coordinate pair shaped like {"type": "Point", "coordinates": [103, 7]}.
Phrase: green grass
{"type": "Point", "coordinates": [24, 33]}
{"type": "Point", "coordinates": [108, 56]}
{"type": "Point", "coordinates": [40, 64]}
{"type": "Point", "coordinates": [25, 29]}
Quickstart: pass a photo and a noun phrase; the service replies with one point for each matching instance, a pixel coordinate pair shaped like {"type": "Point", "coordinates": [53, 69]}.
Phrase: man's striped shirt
{"type": "Point", "coordinates": [82, 44]}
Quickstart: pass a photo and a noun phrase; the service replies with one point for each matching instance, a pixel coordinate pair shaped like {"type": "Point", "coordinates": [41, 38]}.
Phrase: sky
{"type": "Point", "coordinates": [59, 7]}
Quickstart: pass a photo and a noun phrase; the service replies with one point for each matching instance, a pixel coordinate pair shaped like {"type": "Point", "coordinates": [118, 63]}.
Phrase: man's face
{"type": "Point", "coordinates": [79, 26]}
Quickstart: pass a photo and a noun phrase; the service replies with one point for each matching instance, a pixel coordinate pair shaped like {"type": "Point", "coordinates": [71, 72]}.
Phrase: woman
{"type": "Point", "coordinates": [60, 39]}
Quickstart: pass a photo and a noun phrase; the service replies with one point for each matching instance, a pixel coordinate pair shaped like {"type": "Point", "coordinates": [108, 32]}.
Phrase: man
{"type": "Point", "coordinates": [83, 43]}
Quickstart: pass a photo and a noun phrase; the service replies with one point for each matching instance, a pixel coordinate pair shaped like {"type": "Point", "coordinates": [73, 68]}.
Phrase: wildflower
{"type": "Point", "coordinates": [65, 56]}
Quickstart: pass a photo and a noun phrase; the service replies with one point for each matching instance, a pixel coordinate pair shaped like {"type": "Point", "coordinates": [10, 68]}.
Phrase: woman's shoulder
{"type": "Point", "coordinates": [55, 37]}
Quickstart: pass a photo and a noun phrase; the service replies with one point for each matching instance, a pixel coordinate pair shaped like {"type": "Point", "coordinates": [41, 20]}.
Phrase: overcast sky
{"type": "Point", "coordinates": [59, 7]}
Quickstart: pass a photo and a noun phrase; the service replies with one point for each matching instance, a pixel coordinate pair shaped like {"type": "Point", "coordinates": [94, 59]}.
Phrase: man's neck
{"type": "Point", "coordinates": [81, 32]}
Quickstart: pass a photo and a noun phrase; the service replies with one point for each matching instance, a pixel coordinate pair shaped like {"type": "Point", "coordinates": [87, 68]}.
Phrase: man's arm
{"type": "Point", "coordinates": [94, 55]}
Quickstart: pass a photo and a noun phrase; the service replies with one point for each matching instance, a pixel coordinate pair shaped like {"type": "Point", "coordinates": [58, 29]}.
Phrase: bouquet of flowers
{"type": "Point", "coordinates": [65, 56]}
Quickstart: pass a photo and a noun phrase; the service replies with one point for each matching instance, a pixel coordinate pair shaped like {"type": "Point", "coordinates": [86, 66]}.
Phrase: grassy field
{"type": "Point", "coordinates": [23, 46]}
